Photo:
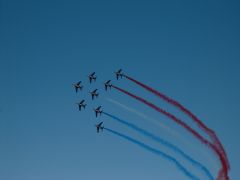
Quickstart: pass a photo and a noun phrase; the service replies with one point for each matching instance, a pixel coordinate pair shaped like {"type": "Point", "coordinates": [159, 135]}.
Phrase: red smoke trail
{"type": "Point", "coordinates": [200, 124]}
{"type": "Point", "coordinates": [223, 173]}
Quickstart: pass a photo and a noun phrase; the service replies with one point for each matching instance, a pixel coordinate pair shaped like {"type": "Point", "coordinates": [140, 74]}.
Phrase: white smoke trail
{"type": "Point", "coordinates": [143, 116]}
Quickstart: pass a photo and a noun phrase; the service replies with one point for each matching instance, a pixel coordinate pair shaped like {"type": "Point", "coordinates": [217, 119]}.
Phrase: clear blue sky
{"type": "Point", "coordinates": [187, 49]}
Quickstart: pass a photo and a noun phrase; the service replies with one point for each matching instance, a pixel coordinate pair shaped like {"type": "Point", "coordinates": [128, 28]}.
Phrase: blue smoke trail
{"type": "Point", "coordinates": [164, 142]}
{"type": "Point", "coordinates": [155, 151]}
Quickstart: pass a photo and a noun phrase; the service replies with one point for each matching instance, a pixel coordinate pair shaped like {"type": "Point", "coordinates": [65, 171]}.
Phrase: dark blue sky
{"type": "Point", "coordinates": [189, 50]}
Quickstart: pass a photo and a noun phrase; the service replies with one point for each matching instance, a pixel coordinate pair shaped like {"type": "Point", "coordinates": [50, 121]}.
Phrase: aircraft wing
{"type": "Point", "coordinates": [98, 108]}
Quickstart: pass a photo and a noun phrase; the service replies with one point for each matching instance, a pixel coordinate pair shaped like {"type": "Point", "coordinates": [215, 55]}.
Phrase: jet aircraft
{"type": "Point", "coordinates": [78, 86]}
{"type": "Point", "coordinates": [81, 104]}
{"type": "Point", "coordinates": [98, 110]}
{"type": "Point", "coordinates": [99, 126]}
{"type": "Point", "coordinates": [107, 84]}
{"type": "Point", "coordinates": [94, 94]}
{"type": "Point", "coordinates": [92, 77]}
{"type": "Point", "coordinates": [119, 73]}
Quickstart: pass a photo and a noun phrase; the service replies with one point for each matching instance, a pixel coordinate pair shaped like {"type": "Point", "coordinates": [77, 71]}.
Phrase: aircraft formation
{"type": "Point", "coordinates": [94, 94]}
{"type": "Point", "coordinates": [216, 147]}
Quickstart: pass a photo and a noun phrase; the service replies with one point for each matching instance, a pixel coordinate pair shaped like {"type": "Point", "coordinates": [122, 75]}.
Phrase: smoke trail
{"type": "Point", "coordinates": [155, 151]}
{"type": "Point", "coordinates": [164, 142]}
{"type": "Point", "coordinates": [149, 119]}
{"type": "Point", "coordinates": [200, 124]}
{"type": "Point", "coordinates": [224, 170]}
{"type": "Point", "coordinates": [134, 111]}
